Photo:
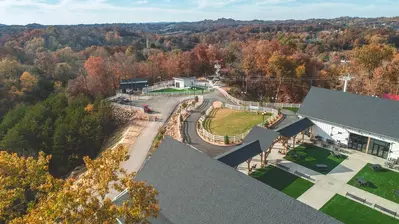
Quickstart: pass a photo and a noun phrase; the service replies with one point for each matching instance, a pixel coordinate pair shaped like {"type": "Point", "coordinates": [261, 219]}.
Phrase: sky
{"type": "Point", "coordinates": [55, 12]}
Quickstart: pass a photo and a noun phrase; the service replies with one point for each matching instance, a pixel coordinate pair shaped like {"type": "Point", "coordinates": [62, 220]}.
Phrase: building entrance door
{"type": "Point", "coordinates": [379, 148]}
{"type": "Point", "coordinates": [357, 142]}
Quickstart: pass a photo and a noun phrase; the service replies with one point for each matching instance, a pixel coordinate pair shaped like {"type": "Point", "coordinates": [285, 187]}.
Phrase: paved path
{"type": "Point", "coordinates": [192, 137]}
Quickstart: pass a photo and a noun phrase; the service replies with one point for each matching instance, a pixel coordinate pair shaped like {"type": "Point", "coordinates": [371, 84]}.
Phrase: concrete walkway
{"type": "Point", "coordinates": [326, 186]}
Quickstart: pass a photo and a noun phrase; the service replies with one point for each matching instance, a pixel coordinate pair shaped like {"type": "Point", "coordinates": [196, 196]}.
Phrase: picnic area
{"type": "Point", "coordinates": [315, 158]}
{"type": "Point", "coordinates": [349, 211]}
{"type": "Point", "coordinates": [283, 181]}
{"type": "Point", "coordinates": [379, 181]}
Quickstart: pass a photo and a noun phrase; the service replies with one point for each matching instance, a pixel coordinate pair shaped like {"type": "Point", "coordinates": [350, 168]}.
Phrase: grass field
{"type": "Point", "coordinates": [313, 155]}
{"type": "Point", "coordinates": [351, 212]}
{"type": "Point", "coordinates": [232, 122]}
{"type": "Point", "coordinates": [283, 181]}
{"type": "Point", "coordinates": [385, 182]}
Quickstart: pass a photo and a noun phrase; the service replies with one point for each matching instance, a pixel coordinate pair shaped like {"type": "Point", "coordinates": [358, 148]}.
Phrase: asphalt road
{"type": "Point", "coordinates": [192, 137]}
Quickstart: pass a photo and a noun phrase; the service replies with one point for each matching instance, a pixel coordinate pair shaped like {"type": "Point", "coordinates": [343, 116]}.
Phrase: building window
{"type": "Point", "coordinates": [357, 142]}
{"type": "Point", "coordinates": [379, 148]}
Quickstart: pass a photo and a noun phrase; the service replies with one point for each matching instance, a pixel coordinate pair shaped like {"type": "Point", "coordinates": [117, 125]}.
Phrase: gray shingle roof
{"type": "Point", "coordinates": [265, 136]}
{"type": "Point", "coordinates": [240, 154]}
{"type": "Point", "coordinates": [195, 188]}
{"type": "Point", "coordinates": [295, 128]}
{"type": "Point", "coordinates": [370, 114]}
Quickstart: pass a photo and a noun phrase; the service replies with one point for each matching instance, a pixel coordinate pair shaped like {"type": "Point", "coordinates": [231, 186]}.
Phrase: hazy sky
{"type": "Point", "coordinates": [133, 11]}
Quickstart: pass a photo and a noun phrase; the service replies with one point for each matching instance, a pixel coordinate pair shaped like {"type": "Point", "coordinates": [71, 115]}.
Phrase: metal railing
{"type": "Point", "coordinates": [252, 103]}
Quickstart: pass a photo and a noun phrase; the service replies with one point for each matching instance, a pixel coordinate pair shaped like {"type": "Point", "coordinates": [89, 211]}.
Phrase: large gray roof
{"type": "Point", "coordinates": [195, 188]}
{"type": "Point", "coordinates": [265, 136]}
{"type": "Point", "coordinates": [240, 154]}
{"type": "Point", "coordinates": [365, 113]}
{"type": "Point", "coordinates": [295, 128]}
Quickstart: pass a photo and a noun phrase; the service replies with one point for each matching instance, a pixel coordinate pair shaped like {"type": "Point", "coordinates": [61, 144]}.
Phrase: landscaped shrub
{"type": "Point", "coordinates": [161, 131]}
{"type": "Point", "coordinates": [226, 140]}
{"type": "Point", "coordinates": [180, 118]}
{"type": "Point", "coordinates": [266, 124]}
{"type": "Point", "coordinates": [184, 105]}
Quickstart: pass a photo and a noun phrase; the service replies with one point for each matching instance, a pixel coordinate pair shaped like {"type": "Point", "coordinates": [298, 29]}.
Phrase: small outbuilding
{"type": "Point", "coordinates": [184, 82]}
{"type": "Point", "coordinates": [134, 84]}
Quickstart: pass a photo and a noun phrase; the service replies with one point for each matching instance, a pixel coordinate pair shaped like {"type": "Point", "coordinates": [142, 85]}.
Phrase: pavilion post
{"type": "Point", "coordinates": [249, 165]}
{"type": "Point", "coordinates": [294, 141]}
{"type": "Point", "coordinates": [261, 158]}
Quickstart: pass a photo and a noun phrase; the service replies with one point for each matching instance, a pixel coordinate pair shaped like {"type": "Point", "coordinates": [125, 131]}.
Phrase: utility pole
{"type": "Point", "coordinates": [346, 79]}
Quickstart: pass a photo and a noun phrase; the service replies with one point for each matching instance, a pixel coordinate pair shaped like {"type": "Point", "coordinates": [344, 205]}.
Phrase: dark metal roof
{"type": "Point", "coordinates": [195, 188]}
{"type": "Point", "coordinates": [295, 128]}
{"type": "Point", "coordinates": [265, 136]}
{"type": "Point", "coordinates": [364, 113]}
{"type": "Point", "coordinates": [133, 81]}
{"type": "Point", "coordinates": [240, 154]}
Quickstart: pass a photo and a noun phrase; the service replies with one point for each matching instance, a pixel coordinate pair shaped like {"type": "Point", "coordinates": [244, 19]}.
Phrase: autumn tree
{"type": "Point", "coordinates": [28, 81]}
{"type": "Point", "coordinates": [22, 182]}
{"type": "Point", "coordinates": [99, 80]}
{"type": "Point", "coordinates": [373, 55]}
{"type": "Point", "coordinates": [82, 200]}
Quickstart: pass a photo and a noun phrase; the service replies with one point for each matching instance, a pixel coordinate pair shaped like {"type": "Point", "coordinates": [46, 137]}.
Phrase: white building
{"type": "Point", "coordinates": [363, 123]}
{"type": "Point", "coordinates": [184, 82]}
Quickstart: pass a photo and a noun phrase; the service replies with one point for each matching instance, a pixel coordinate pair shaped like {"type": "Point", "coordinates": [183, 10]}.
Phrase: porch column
{"type": "Point", "coordinates": [293, 144]}
{"type": "Point", "coordinates": [303, 136]}
{"type": "Point", "coordinates": [261, 158]}
{"type": "Point", "coordinates": [368, 144]}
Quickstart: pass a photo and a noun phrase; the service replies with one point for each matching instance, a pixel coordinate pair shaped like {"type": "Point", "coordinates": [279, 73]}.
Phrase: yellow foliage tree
{"type": "Point", "coordinates": [300, 70]}
{"type": "Point", "coordinates": [82, 200]}
{"type": "Point", "coordinates": [28, 81]}
{"type": "Point", "coordinates": [89, 108]}
{"type": "Point", "coordinates": [22, 181]}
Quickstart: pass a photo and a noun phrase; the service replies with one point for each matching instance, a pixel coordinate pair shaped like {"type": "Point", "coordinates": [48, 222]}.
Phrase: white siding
{"type": "Point", "coordinates": [342, 134]}
{"type": "Point", "coordinates": [332, 132]}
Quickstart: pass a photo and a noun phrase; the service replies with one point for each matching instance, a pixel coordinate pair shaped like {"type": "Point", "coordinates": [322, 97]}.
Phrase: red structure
{"type": "Point", "coordinates": [391, 97]}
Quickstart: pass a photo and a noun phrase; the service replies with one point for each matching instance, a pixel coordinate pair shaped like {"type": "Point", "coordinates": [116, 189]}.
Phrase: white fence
{"type": "Point", "coordinates": [252, 108]}
{"type": "Point", "coordinates": [235, 138]}
{"type": "Point", "coordinates": [189, 108]}
{"type": "Point", "coordinates": [258, 104]}
{"type": "Point", "coordinates": [157, 86]}
{"type": "Point", "coordinates": [197, 92]}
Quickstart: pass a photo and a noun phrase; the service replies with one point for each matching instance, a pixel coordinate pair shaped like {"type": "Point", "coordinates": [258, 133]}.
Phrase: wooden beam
{"type": "Point", "coordinates": [368, 144]}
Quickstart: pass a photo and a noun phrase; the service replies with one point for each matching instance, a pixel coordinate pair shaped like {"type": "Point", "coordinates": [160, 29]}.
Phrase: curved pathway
{"type": "Point", "coordinates": [191, 136]}
{"type": "Point", "coordinates": [190, 125]}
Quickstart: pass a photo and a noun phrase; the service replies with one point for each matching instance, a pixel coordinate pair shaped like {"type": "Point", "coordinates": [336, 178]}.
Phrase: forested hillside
{"type": "Point", "coordinates": [52, 78]}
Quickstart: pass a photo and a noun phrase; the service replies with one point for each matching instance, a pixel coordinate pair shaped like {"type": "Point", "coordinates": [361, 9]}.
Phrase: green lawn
{"type": "Point", "coordinates": [348, 211]}
{"type": "Point", "coordinates": [385, 182]}
{"type": "Point", "coordinates": [283, 181]}
{"type": "Point", "coordinates": [313, 155]}
{"type": "Point", "coordinates": [232, 122]}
